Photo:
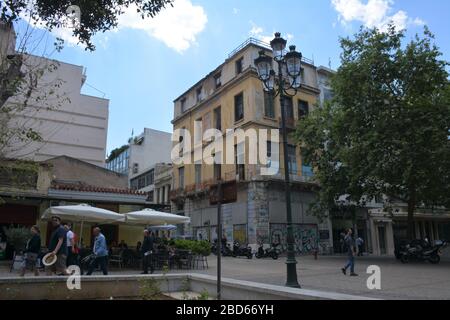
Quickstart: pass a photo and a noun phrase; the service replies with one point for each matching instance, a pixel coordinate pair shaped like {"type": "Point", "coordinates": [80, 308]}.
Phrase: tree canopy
{"type": "Point", "coordinates": [386, 131]}
{"type": "Point", "coordinates": [96, 15]}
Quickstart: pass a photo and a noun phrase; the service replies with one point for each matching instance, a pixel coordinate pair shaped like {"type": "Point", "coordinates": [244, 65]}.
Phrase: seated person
{"type": "Point", "coordinates": [123, 245]}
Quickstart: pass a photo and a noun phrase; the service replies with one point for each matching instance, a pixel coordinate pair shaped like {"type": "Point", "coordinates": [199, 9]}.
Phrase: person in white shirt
{"type": "Point", "coordinates": [70, 242]}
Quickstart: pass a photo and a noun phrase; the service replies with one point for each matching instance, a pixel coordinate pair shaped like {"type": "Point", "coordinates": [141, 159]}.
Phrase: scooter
{"type": "Point", "coordinates": [242, 251]}
{"type": "Point", "coordinates": [266, 253]}
{"type": "Point", "coordinates": [420, 250]}
{"type": "Point", "coordinates": [226, 251]}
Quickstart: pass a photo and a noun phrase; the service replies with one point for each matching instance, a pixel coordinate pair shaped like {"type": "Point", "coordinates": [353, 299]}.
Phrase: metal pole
{"type": "Point", "coordinates": [219, 239]}
{"type": "Point", "coordinates": [291, 263]}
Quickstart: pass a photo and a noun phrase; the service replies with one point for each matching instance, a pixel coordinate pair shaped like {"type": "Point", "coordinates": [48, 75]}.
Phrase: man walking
{"type": "Point", "coordinates": [360, 245]}
{"type": "Point", "coordinates": [351, 254]}
{"type": "Point", "coordinates": [100, 252]}
{"type": "Point", "coordinates": [146, 251]}
{"type": "Point", "coordinates": [58, 247]}
{"type": "Point", "coordinates": [70, 242]}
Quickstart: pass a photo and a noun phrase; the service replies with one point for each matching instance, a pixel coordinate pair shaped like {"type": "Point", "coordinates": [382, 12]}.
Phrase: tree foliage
{"type": "Point", "coordinates": [96, 15]}
{"type": "Point", "coordinates": [387, 130]}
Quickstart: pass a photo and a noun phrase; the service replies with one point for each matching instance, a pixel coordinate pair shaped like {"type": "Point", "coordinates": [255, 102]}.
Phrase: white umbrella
{"type": "Point", "coordinates": [167, 227]}
{"type": "Point", "coordinates": [152, 217]}
{"type": "Point", "coordinates": [83, 213]}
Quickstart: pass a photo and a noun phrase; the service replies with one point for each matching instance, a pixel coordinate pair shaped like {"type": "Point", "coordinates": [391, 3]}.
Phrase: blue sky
{"type": "Point", "coordinates": [144, 65]}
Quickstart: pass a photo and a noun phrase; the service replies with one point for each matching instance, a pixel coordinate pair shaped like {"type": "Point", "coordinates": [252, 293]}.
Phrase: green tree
{"type": "Point", "coordinates": [387, 130]}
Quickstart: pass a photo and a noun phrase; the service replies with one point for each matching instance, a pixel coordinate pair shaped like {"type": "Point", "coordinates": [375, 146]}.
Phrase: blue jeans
{"type": "Point", "coordinates": [350, 264]}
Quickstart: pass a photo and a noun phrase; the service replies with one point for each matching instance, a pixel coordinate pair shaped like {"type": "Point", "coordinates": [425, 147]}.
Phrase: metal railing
{"type": "Point", "coordinates": [247, 42]}
{"type": "Point", "coordinates": [261, 44]}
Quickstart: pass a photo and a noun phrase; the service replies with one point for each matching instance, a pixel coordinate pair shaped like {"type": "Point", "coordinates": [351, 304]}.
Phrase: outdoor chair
{"type": "Point", "coordinates": [161, 260]}
{"type": "Point", "coordinates": [200, 262]}
{"type": "Point", "coordinates": [185, 260]}
{"type": "Point", "coordinates": [117, 259]}
{"type": "Point", "coordinates": [16, 259]}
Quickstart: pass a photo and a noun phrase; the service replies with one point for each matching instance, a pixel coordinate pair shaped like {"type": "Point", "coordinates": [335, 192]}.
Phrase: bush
{"type": "Point", "coordinates": [197, 247]}
{"type": "Point", "coordinates": [17, 237]}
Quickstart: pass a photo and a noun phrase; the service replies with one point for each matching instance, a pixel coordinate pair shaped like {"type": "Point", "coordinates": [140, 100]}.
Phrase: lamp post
{"type": "Point", "coordinates": [284, 82]}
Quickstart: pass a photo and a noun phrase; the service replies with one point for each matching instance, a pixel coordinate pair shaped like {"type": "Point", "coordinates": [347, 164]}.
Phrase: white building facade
{"type": "Point", "coordinates": [68, 122]}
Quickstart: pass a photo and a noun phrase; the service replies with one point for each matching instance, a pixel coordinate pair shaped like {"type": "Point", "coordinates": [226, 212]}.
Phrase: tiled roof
{"type": "Point", "coordinates": [86, 188]}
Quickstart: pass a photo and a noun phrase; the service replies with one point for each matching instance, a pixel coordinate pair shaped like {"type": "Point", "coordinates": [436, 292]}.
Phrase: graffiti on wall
{"type": "Point", "coordinates": [306, 237]}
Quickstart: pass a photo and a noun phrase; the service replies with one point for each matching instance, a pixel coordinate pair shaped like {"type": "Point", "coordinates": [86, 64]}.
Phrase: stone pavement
{"type": "Point", "coordinates": [398, 281]}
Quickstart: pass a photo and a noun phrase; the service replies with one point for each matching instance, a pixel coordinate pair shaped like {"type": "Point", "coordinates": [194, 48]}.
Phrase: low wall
{"type": "Point", "coordinates": [105, 287]}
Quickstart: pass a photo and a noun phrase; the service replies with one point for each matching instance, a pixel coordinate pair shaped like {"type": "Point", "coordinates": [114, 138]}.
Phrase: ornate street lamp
{"type": "Point", "coordinates": [284, 82]}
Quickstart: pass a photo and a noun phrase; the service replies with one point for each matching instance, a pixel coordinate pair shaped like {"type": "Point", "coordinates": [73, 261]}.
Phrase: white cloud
{"type": "Point", "coordinates": [258, 33]}
{"type": "Point", "coordinates": [177, 27]}
{"type": "Point", "coordinates": [374, 13]}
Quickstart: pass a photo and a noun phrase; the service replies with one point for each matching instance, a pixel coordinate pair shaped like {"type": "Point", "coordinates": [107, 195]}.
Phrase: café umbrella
{"type": "Point", "coordinates": [154, 218]}
{"type": "Point", "coordinates": [83, 213]}
{"type": "Point", "coordinates": [166, 227]}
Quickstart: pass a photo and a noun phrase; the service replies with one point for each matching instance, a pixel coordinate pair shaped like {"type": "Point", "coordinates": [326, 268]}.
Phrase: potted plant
{"type": "Point", "coordinates": [17, 238]}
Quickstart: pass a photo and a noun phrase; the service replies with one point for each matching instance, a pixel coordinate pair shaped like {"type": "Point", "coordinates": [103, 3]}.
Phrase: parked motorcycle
{"type": "Point", "coordinates": [421, 250]}
{"type": "Point", "coordinates": [242, 251]}
{"type": "Point", "coordinates": [226, 251]}
{"type": "Point", "coordinates": [266, 253]}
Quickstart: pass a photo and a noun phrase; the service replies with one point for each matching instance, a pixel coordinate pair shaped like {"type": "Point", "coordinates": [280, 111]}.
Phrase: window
{"type": "Point", "coordinates": [218, 118]}
{"type": "Point", "coordinates": [198, 174]}
{"type": "Point", "coordinates": [181, 177]}
{"type": "Point", "coordinates": [151, 195]}
{"type": "Point", "coordinates": [292, 159]}
{"type": "Point", "coordinates": [306, 169]}
{"type": "Point", "coordinates": [217, 168]}
{"type": "Point", "coordinates": [239, 107]}
{"type": "Point", "coordinates": [198, 132]}
{"type": "Point", "coordinates": [327, 94]}
{"type": "Point", "coordinates": [183, 105]}
{"type": "Point", "coordinates": [269, 105]}
{"type": "Point", "coordinates": [239, 66]}
{"type": "Point", "coordinates": [142, 181]}
{"type": "Point", "coordinates": [303, 108]}
{"type": "Point", "coordinates": [273, 156]}
{"type": "Point", "coordinates": [289, 108]}
{"type": "Point", "coordinates": [218, 80]}
{"type": "Point", "coordinates": [239, 156]}
{"type": "Point", "coordinates": [199, 94]}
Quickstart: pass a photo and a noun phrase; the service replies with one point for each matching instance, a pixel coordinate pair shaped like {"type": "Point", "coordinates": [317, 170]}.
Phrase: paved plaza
{"type": "Point", "coordinates": [398, 281]}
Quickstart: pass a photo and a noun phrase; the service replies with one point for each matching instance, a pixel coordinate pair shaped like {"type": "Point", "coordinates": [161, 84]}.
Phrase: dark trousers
{"type": "Point", "coordinates": [72, 258]}
{"type": "Point", "coordinates": [99, 261]}
{"type": "Point", "coordinates": [147, 261]}
{"type": "Point", "coordinates": [360, 250]}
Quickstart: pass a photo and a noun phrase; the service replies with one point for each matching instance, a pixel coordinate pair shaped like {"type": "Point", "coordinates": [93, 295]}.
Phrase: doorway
{"type": "Point", "coordinates": [382, 239]}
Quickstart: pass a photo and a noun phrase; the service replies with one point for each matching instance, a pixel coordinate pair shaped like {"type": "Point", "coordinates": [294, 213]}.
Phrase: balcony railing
{"type": "Point", "coordinates": [261, 44]}
{"type": "Point", "coordinates": [251, 172]}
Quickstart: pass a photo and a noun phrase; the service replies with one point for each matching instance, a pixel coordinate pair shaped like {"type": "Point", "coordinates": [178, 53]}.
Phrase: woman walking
{"type": "Point", "coordinates": [32, 251]}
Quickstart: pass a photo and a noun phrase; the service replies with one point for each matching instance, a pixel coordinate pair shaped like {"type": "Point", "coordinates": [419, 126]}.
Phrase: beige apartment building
{"type": "Point", "coordinates": [232, 97]}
